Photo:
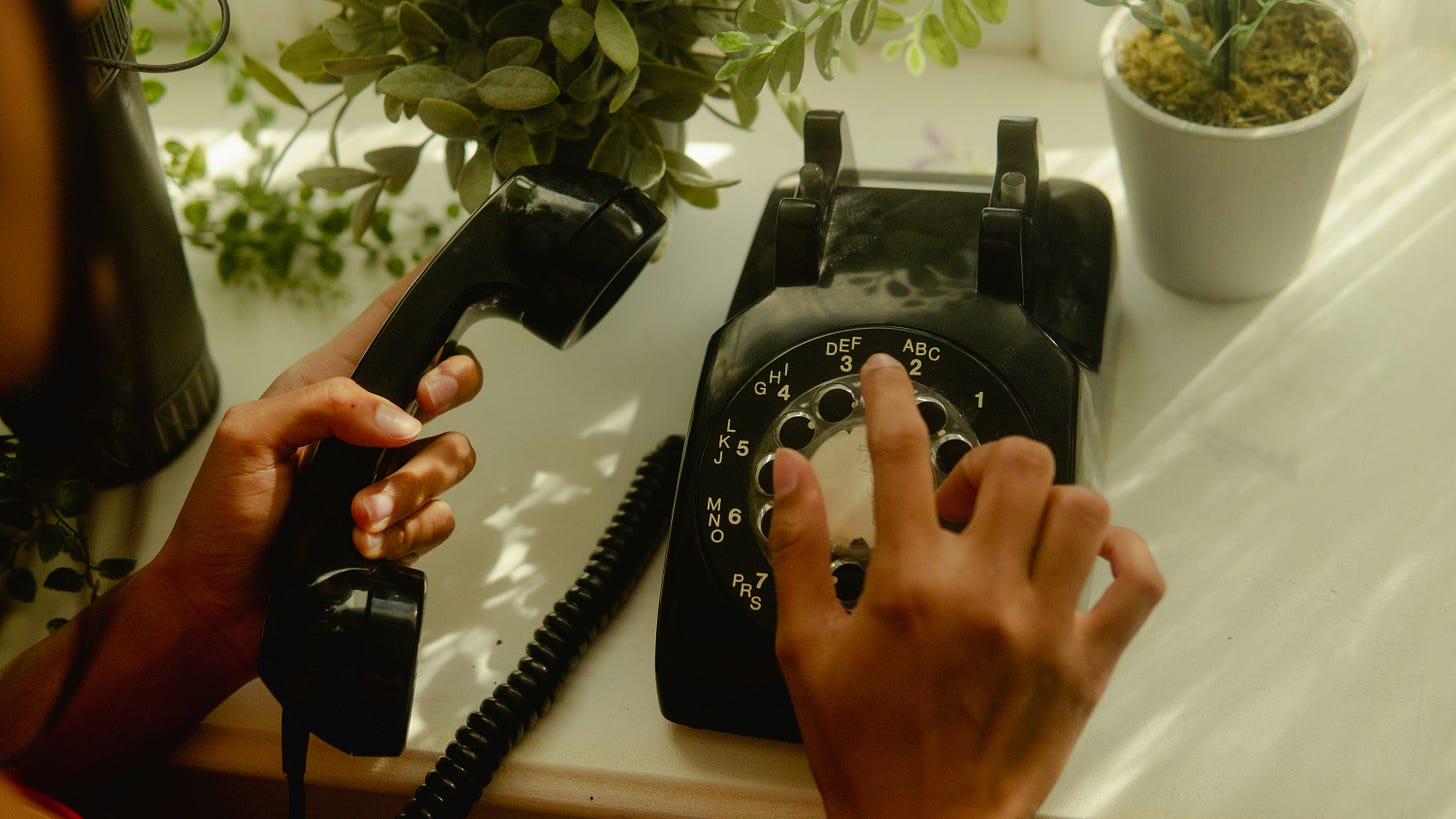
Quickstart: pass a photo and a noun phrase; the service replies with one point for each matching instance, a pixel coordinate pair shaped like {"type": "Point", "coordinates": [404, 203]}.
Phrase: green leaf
{"type": "Point", "coordinates": [475, 178]}
{"type": "Point", "coordinates": [448, 119]}
{"type": "Point", "coordinates": [992, 11]}
{"type": "Point", "coordinates": [363, 214]}
{"type": "Point", "coordinates": [862, 21]}
{"type": "Point", "coordinates": [615, 35]}
{"type": "Point", "coordinates": [755, 74]}
{"type": "Point", "coordinates": [1194, 49]}
{"type": "Point", "coordinates": [648, 168]}
{"type": "Point", "coordinates": [915, 60]}
{"type": "Point", "coordinates": [697, 197]}
{"type": "Point", "coordinates": [731, 42]}
{"type": "Point", "coordinates": [746, 108]}
{"type": "Point", "coordinates": [417, 25]}
{"type": "Point", "coordinates": [195, 213]}
{"type": "Point", "coordinates": [454, 161]}
{"type": "Point", "coordinates": [304, 57]}
{"type": "Point", "coordinates": [337, 180]}
{"type": "Point", "coordinates": [672, 107]}
{"type": "Point", "coordinates": [330, 262]}
{"type": "Point", "coordinates": [20, 584]}
{"type": "Point", "coordinates": [513, 51]}
{"type": "Point", "coordinates": [115, 568]}
{"type": "Point", "coordinates": [50, 541]}
{"type": "Point", "coordinates": [666, 78]}
{"type": "Point", "coordinates": [625, 87]}
{"type": "Point", "coordinates": [686, 171]}
{"type": "Point", "coordinates": [359, 66]}
{"type": "Point", "coordinates": [412, 83]}
{"type": "Point", "coordinates": [730, 68]}
{"type": "Point", "coordinates": [787, 67]}
{"type": "Point", "coordinates": [826, 45]}
{"type": "Point", "coordinates": [961, 23]}
{"type": "Point", "coordinates": [396, 163]}
{"type": "Point", "coordinates": [612, 153]}
{"type": "Point", "coordinates": [342, 35]}
{"type": "Point", "coordinates": [271, 83]}
{"type": "Point", "coordinates": [516, 88]}
{"type": "Point", "coordinates": [393, 107]}
{"type": "Point", "coordinates": [888, 19]}
{"type": "Point", "coordinates": [572, 30]}
{"type": "Point", "coordinates": [450, 17]}
{"type": "Point", "coordinates": [355, 85]}
{"type": "Point", "coordinates": [513, 150]}
{"type": "Point", "coordinates": [141, 40]}
{"type": "Point", "coordinates": [72, 498]}
{"type": "Point", "coordinates": [937, 42]}
{"type": "Point", "coordinates": [196, 166]}
{"type": "Point", "coordinates": [587, 85]}
{"type": "Point", "coordinates": [153, 91]}
{"type": "Point", "coordinates": [766, 17]}
{"type": "Point", "coordinates": [1145, 17]}
{"type": "Point", "coordinates": [544, 119]}
{"type": "Point", "coordinates": [63, 579]}
{"type": "Point", "coordinates": [892, 49]}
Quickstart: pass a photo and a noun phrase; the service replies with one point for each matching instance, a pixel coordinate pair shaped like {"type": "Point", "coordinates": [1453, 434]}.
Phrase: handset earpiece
{"type": "Point", "coordinates": [551, 248]}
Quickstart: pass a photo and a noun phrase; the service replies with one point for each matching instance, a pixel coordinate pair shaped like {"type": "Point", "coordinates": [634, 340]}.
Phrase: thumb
{"type": "Point", "coordinates": [337, 407]}
{"type": "Point", "coordinates": [798, 545]}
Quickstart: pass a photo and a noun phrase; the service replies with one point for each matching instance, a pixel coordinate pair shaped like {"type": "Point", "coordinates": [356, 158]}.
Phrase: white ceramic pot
{"type": "Point", "coordinates": [1225, 213]}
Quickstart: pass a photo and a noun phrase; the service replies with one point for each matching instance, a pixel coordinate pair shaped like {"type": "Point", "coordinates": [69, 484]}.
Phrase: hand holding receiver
{"type": "Point", "coordinates": [965, 674]}
{"type": "Point", "coordinates": [552, 249]}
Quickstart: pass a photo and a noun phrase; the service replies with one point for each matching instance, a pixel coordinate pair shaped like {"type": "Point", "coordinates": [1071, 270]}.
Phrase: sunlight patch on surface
{"type": "Point", "coordinates": [709, 154]}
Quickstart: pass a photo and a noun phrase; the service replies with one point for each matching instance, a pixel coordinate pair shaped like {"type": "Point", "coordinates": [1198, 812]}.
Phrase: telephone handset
{"type": "Point", "coordinates": [994, 292]}
{"type": "Point", "coordinates": [552, 249]}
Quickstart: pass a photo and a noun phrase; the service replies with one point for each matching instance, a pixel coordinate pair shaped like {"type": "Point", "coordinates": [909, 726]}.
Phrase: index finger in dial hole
{"type": "Point", "coordinates": [899, 447]}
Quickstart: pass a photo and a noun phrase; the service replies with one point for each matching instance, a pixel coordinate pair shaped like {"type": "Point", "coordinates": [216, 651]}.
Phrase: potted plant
{"type": "Point", "coordinates": [1230, 119]}
{"type": "Point", "coordinates": [604, 84]}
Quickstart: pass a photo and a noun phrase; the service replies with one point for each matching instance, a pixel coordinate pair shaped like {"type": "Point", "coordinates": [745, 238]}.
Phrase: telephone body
{"type": "Point", "coordinates": [994, 292]}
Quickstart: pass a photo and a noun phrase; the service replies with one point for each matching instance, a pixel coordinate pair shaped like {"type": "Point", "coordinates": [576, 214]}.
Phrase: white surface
{"type": "Point", "coordinates": [1288, 459]}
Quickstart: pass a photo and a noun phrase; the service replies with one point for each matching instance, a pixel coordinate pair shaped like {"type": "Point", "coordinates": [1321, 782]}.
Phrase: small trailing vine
{"type": "Point", "coordinates": [40, 514]}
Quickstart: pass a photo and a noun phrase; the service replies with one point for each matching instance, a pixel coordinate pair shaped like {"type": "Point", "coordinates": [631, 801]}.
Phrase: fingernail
{"type": "Point", "coordinates": [879, 360]}
{"type": "Point", "coordinates": [373, 544]}
{"type": "Point", "coordinates": [396, 422]}
{"type": "Point", "coordinates": [441, 388]}
{"type": "Point", "coordinates": [785, 477]}
{"type": "Point", "coordinates": [377, 507]}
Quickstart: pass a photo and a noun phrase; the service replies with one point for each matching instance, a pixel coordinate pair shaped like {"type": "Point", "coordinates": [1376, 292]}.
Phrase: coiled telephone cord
{"type": "Point", "coordinates": [469, 763]}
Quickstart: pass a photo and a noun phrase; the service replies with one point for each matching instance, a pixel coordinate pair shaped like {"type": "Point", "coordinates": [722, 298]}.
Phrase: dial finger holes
{"type": "Point", "coordinates": [796, 431]}
{"type": "Point", "coordinates": [835, 403]}
{"type": "Point", "coordinates": [932, 413]}
{"type": "Point", "coordinates": [949, 450]}
{"type": "Point", "coordinates": [849, 579]}
{"type": "Point", "coordinates": [764, 476]}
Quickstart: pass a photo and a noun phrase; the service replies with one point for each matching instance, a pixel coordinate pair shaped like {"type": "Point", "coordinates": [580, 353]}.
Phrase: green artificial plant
{"type": "Point", "coordinates": [1243, 62]}
{"type": "Point", "coordinates": [595, 83]}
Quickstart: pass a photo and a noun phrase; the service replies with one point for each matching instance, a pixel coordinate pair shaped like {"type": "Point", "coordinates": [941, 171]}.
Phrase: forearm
{"type": "Point", "coordinates": [113, 689]}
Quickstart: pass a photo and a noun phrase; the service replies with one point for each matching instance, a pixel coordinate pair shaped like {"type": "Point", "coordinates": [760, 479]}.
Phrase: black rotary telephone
{"type": "Point", "coordinates": [994, 292]}
{"type": "Point", "coordinates": [552, 249]}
